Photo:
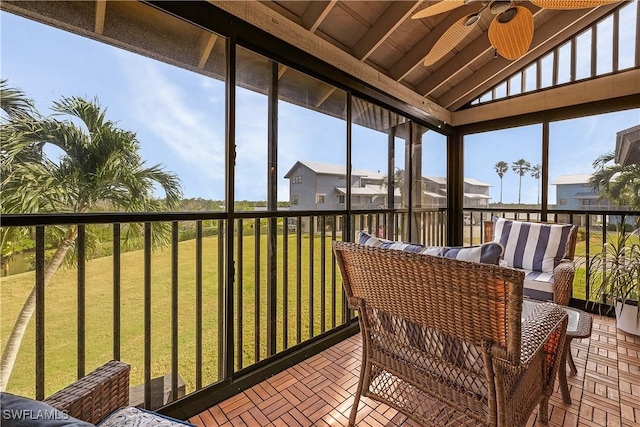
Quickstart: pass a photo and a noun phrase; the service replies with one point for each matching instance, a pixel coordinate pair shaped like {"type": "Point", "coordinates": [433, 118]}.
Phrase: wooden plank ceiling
{"type": "Point", "coordinates": [382, 35]}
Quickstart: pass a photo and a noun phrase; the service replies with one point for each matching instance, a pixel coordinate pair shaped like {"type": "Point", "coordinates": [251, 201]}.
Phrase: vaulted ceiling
{"type": "Point", "coordinates": [375, 41]}
{"type": "Point", "coordinates": [382, 35]}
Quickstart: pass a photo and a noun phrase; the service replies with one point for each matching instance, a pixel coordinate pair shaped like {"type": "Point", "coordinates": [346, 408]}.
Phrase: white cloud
{"type": "Point", "coordinates": [164, 109]}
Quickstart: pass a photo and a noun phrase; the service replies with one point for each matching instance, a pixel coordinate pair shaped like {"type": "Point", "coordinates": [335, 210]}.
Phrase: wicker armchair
{"type": "Point", "coordinates": [96, 395]}
{"type": "Point", "coordinates": [561, 287]}
{"type": "Point", "coordinates": [443, 339]}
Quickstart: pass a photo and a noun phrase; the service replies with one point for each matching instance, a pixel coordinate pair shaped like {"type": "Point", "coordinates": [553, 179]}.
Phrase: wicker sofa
{"type": "Point", "coordinates": [96, 395]}
{"type": "Point", "coordinates": [443, 341]}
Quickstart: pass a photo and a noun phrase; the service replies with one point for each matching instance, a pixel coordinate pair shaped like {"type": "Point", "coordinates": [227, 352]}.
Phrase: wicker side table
{"type": "Point", "coordinates": [579, 326]}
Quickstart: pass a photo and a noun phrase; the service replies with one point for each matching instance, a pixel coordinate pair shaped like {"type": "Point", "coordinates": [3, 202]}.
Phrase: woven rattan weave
{"type": "Point", "coordinates": [96, 395]}
{"type": "Point", "coordinates": [443, 340]}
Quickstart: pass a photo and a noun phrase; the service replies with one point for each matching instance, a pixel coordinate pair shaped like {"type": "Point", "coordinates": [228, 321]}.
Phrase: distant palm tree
{"type": "Point", "coordinates": [501, 168]}
{"type": "Point", "coordinates": [521, 167]}
{"type": "Point", "coordinates": [99, 165]}
{"type": "Point", "coordinates": [398, 180]}
{"type": "Point", "coordinates": [536, 172]}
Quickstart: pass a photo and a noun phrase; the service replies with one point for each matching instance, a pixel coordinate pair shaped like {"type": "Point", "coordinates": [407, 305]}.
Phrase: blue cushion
{"type": "Point", "coordinates": [487, 253]}
{"type": "Point", "coordinates": [532, 246]}
{"type": "Point", "coordinates": [18, 411]}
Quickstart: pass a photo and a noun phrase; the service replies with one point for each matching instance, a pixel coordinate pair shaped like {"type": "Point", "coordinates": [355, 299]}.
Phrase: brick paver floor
{"type": "Point", "coordinates": [319, 391]}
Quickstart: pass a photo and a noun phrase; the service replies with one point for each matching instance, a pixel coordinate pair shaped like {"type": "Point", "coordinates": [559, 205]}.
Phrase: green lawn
{"type": "Point", "coordinates": [61, 309]}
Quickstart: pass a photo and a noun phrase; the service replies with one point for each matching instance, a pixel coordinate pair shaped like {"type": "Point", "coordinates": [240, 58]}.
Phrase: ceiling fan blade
{"type": "Point", "coordinates": [571, 4]}
{"type": "Point", "coordinates": [511, 32]}
{"type": "Point", "coordinates": [441, 7]}
{"type": "Point", "coordinates": [451, 38]}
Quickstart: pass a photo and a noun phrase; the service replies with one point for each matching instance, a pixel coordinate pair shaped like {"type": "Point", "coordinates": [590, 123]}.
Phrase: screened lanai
{"type": "Point", "coordinates": [236, 94]}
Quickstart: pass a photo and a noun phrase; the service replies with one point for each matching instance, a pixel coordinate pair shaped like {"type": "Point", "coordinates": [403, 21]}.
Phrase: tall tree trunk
{"type": "Point", "coordinates": [17, 333]}
{"type": "Point", "coordinates": [520, 189]}
{"type": "Point", "coordinates": [501, 190]}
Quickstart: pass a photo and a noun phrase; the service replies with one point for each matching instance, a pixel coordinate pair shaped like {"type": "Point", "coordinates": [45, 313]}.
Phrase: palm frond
{"type": "Point", "coordinates": [15, 102]}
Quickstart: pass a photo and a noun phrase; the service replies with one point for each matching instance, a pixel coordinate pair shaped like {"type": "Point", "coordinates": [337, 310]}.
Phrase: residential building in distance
{"type": "Point", "coordinates": [476, 193]}
{"type": "Point", "coordinates": [574, 192]}
{"type": "Point", "coordinates": [323, 186]}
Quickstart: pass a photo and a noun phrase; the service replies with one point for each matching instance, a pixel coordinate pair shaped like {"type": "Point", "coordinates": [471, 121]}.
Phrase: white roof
{"type": "Point", "coordinates": [435, 195]}
{"type": "Point", "coordinates": [572, 179]}
{"type": "Point", "coordinates": [472, 181]}
{"type": "Point", "coordinates": [443, 181]}
{"type": "Point", "coordinates": [476, 196]}
{"type": "Point", "coordinates": [333, 169]}
{"type": "Point", "coordinates": [437, 179]}
{"type": "Point", "coordinates": [371, 174]}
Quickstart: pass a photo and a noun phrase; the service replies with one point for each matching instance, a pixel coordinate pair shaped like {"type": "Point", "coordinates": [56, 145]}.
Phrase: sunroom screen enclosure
{"type": "Point", "coordinates": [240, 292]}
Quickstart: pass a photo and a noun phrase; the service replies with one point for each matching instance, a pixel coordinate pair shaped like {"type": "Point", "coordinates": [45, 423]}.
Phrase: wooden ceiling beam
{"type": "Point", "coordinates": [607, 87]}
{"type": "Point", "coordinates": [415, 57]}
{"type": "Point", "coordinates": [460, 61]}
{"type": "Point", "coordinates": [315, 14]}
{"type": "Point", "coordinates": [101, 11]}
{"type": "Point", "coordinates": [263, 17]}
{"type": "Point", "coordinates": [281, 70]}
{"type": "Point", "coordinates": [325, 96]}
{"type": "Point", "coordinates": [559, 28]}
{"type": "Point", "coordinates": [391, 19]}
{"type": "Point", "coordinates": [207, 42]}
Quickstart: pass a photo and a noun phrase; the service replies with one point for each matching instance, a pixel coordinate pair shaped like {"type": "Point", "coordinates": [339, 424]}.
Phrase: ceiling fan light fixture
{"type": "Point", "coordinates": [472, 19]}
{"type": "Point", "coordinates": [497, 7]}
{"type": "Point", "coordinates": [511, 32]}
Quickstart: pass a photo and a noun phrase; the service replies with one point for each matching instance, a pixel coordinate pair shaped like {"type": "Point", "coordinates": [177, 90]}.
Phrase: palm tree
{"type": "Point", "coordinates": [99, 165]}
{"type": "Point", "coordinates": [521, 167]}
{"type": "Point", "coordinates": [15, 105]}
{"type": "Point", "coordinates": [536, 172]}
{"type": "Point", "coordinates": [398, 181]}
{"type": "Point", "coordinates": [501, 168]}
{"type": "Point", "coordinates": [619, 184]}
{"type": "Point", "coordinates": [14, 102]}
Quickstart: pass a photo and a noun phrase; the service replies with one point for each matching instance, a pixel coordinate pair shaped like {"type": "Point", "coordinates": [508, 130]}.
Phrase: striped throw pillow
{"type": "Point", "coordinates": [367, 239]}
{"type": "Point", "coordinates": [532, 246]}
{"type": "Point", "coordinates": [487, 253]}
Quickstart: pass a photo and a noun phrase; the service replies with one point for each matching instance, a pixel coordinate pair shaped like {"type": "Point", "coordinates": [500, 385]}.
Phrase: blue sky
{"type": "Point", "coordinates": [178, 116]}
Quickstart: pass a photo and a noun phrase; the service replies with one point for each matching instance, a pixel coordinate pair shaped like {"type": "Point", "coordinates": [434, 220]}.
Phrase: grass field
{"type": "Point", "coordinates": [61, 312]}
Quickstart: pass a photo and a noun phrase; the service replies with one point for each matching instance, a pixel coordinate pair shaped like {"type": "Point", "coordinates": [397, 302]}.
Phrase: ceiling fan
{"type": "Point", "coordinates": [510, 32]}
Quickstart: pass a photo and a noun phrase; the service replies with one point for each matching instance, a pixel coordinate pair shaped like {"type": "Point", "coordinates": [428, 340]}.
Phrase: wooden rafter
{"type": "Point", "coordinates": [101, 11]}
{"type": "Point", "coordinates": [325, 96]}
{"type": "Point", "coordinates": [415, 57]}
{"type": "Point", "coordinates": [391, 19]}
{"type": "Point", "coordinates": [315, 14]}
{"type": "Point", "coordinates": [208, 42]}
{"type": "Point", "coordinates": [281, 70]}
